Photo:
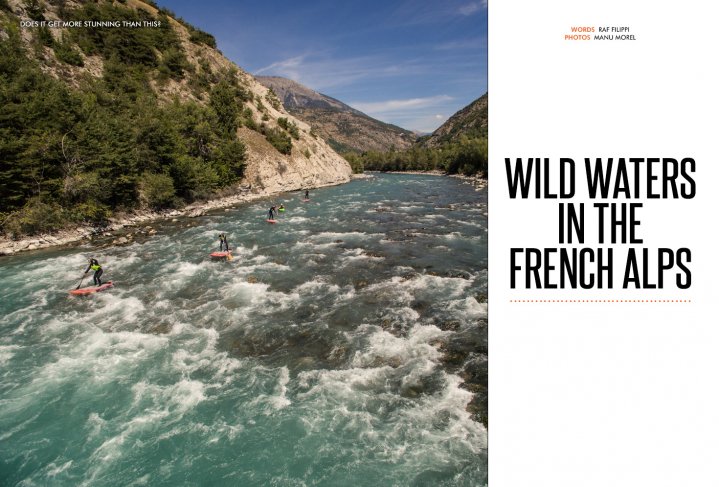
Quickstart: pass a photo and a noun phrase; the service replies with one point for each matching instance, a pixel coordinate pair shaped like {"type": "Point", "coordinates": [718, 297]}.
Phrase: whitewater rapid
{"type": "Point", "coordinates": [336, 348]}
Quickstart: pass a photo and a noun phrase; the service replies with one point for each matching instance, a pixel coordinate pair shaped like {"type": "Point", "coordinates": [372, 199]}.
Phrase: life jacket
{"type": "Point", "coordinates": [95, 267]}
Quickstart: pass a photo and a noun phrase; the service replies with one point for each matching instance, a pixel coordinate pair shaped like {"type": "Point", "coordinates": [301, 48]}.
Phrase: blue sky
{"type": "Point", "coordinates": [412, 63]}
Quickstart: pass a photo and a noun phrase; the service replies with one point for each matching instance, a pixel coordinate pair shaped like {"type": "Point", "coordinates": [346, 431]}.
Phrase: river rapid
{"type": "Point", "coordinates": [344, 345]}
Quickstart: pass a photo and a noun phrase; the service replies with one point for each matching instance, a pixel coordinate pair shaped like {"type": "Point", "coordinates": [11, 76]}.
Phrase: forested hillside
{"type": "Point", "coordinates": [99, 119]}
{"type": "Point", "coordinates": [458, 146]}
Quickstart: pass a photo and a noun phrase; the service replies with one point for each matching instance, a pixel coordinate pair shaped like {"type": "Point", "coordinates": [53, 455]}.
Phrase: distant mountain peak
{"type": "Point", "coordinates": [345, 128]}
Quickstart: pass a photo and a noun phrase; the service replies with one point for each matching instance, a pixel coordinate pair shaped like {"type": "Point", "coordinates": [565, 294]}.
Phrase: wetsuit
{"type": "Point", "coordinates": [307, 194]}
{"type": "Point", "coordinates": [95, 266]}
{"type": "Point", "coordinates": [272, 213]}
{"type": "Point", "coordinates": [223, 240]}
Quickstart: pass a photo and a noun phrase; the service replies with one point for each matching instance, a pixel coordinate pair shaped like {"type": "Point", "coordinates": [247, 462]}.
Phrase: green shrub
{"type": "Point", "coordinates": [273, 100]}
{"type": "Point", "coordinates": [222, 101]}
{"type": "Point", "coordinates": [35, 10]}
{"type": "Point", "coordinates": [45, 37]}
{"type": "Point", "coordinates": [193, 178]}
{"type": "Point", "coordinates": [290, 127]}
{"type": "Point", "coordinates": [90, 212]}
{"type": "Point", "coordinates": [248, 121]}
{"type": "Point", "coordinates": [198, 36]}
{"type": "Point", "coordinates": [81, 187]}
{"type": "Point", "coordinates": [278, 138]}
{"type": "Point", "coordinates": [35, 217]}
{"type": "Point", "coordinates": [229, 161]}
{"type": "Point", "coordinates": [157, 190]}
{"type": "Point", "coordinates": [175, 62]}
{"type": "Point", "coordinates": [65, 52]}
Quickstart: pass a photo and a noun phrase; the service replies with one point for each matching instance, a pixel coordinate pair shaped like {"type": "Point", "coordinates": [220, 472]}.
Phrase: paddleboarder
{"type": "Point", "coordinates": [223, 242]}
{"type": "Point", "coordinates": [95, 266]}
{"type": "Point", "coordinates": [271, 213]}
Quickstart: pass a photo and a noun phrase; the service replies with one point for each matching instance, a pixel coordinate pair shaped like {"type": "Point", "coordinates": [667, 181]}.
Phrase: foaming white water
{"type": "Point", "coordinates": [257, 297]}
{"type": "Point", "coordinates": [7, 352]}
{"type": "Point", "coordinates": [317, 286]}
{"type": "Point", "coordinates": [383, 347]}
{"type": "Point", "coordinates": [467, 309]}
{"type": "Point", "coordinates": [278, 400]}
{"type": "Point", "coordinates": [345, 235]}
{"type": "Point", "coordinates": [297, 219]}
{"type": "Point", "coordinates": [364, 406]}
{"type": "Point", "coordinates": [100, 356]}
{"type": "Point", "coordinates": [315, 246]}
{"type": "Point", "coordinates": [425, 285]}
{"type": "Point", "coordinates": [176, 275]}
{"type": "Point", "coordinates": [53, 470]}
{"type": "Point", "coordinates": [358, 255]}
{"type": "Point", "coordinates": [373, 401]}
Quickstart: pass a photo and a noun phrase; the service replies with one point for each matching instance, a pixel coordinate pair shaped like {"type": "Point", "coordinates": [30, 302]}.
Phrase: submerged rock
{"type": "Point", "coordinates": [161, 329]}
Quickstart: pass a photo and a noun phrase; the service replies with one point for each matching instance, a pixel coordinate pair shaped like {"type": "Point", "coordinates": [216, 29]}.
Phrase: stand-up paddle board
{"type": "Point", "coordinates": [305, 200]}
{"type": "Point", "coordinates": [271, 221]}
{"type": "Point", "coordinates": [91, 290]}
{"type": "Point", "coordinates": [219, 255]}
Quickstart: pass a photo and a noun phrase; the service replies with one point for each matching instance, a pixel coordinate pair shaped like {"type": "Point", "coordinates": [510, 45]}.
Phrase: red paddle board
{"type": "Point", "coordinates": [219, 254]}
{"type": "Point", "coordinates": [91, 290]}
{"type": "Point", "coordinates": [271, 221]}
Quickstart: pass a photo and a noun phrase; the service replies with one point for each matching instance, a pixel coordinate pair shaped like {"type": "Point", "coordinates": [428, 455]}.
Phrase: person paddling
{"type": "Point", "coordinates": [271, 213]}
{"type": "Point", "coordinates": [282, 207]}
{"type": "Point", "coordinates": [95, 266]}
{"type": "Point", "coordinates": [307, 194]}
{"type": "Point", "coordinates": [223, 242]}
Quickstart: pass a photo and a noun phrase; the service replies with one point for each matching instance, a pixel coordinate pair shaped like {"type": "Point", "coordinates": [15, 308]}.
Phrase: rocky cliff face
{"type": "Point", "coordinates": [345, 128]}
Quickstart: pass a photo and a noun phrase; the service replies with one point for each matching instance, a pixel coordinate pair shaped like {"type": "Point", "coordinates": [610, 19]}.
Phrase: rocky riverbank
{"type": "Point", "coordinates": [124, 226]}
{"type": "Point", "coordinates": [478, 181]}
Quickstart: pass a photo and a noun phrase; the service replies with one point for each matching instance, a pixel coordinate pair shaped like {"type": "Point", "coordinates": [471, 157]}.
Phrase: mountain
{"type": "Point", "coordinates": [471, 121]}
{"type": "Point", "coordinates": [345, 128]}
{"type": "Point", "coordinates": [122, 105]}
{"type": "Point", "coordinates": [459, 145]}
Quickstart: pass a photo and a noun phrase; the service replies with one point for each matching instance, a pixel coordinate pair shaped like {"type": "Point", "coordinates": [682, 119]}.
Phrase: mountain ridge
{"type": "Point", "coordinates": [345, 128]}
{"type": "Point", "coordinates": [471, 121]}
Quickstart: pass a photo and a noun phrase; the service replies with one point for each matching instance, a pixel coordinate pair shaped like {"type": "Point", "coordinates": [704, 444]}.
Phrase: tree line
{"type": "Point", "coordinates": [466, 156]}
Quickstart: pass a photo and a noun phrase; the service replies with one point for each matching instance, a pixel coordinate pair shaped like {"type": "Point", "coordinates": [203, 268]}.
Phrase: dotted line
{"type": "Point", "coordinates": [600, 300]}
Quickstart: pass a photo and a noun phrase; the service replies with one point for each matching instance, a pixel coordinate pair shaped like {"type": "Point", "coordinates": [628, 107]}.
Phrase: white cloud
{"type": "Point", "coordinates": [474, 44]}
{"type": "Point", "coordinates": [471, 8]}
{"type": "Point", "coordinates": [320, 71]}
{"type": "Point", "coordinates": [289, 68]}
{"type": "Point", "coordinates": [411, 113]}
{"type": "Point", "coordinates": [393, 106]}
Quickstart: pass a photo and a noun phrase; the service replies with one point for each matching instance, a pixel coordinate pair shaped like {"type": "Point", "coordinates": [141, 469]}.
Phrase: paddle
{"type": "Point", "coordinates": [83, 278]}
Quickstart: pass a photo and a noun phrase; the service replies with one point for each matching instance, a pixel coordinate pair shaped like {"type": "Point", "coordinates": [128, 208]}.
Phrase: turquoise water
{"type": "Point", "coordinates": [315, 357]}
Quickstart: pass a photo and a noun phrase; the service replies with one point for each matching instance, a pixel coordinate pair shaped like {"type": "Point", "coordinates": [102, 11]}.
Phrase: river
{"type": "Point", "coordinates": [330, 351]}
